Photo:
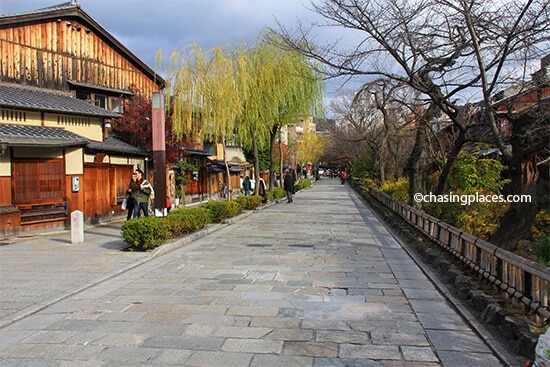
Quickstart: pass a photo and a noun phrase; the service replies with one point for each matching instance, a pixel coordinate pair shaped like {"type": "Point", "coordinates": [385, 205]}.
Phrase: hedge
{"type": "Point", "coordinates": [146, 233]}
{"type": "Point", "coordinates": [222, 210]}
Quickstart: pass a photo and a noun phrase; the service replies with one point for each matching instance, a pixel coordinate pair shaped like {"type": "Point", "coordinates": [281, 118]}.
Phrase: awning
{"type": "Point", "coordinates": [30, 98]}
{"type": "Point", "coordinates": [110, 91]}
{"type": "Point", "coordinates": [112, 145]}
{"type": "Point", "coordinates": [219, 166]}
{"type": "Point", "coordinates": [39, 136]}
{"type": "Point", "coordinates": [191, 151]}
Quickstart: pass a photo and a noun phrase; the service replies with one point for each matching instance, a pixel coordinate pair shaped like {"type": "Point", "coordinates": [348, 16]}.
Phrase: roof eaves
{"type": "Point", "coordinates": [37, 99]}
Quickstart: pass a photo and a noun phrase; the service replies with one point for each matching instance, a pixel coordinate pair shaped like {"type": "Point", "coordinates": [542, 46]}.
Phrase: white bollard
{"type": "Point", "coordinates": [77, 227]}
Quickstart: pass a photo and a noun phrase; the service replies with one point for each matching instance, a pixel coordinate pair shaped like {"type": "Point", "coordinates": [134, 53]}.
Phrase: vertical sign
{"type": "Point", "coordinates": [159, 154]}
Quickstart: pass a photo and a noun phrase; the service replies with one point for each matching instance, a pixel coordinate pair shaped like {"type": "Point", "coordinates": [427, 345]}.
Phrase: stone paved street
{"type": "Point", "coordinates": [317, 282]}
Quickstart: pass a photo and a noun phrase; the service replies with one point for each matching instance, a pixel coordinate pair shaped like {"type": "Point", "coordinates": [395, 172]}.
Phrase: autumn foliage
{"type": "Point", "coordinates": [134, 127]}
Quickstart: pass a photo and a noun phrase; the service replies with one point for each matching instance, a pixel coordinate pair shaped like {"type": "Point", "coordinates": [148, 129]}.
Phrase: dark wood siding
{"type": "Point", "coordinates": [50, 53]}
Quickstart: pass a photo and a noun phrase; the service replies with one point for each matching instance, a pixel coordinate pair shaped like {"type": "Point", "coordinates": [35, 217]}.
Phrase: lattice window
{"type": "Point", "coordinates": [13, 115]}
{"type": "Point", "coordinates": [38, 180]}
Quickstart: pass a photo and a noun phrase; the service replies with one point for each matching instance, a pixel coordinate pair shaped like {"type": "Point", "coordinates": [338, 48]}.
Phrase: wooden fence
{"type": "Point", "coordinates": [520, 278]}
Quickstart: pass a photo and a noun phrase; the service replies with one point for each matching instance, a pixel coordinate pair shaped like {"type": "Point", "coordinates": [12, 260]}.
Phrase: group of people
{"type": "Point", "coordinates": [247, 187]}
{"type": "Point", "coordinates": [140, 191]}
{"type": "Point", "coordinates": [137, 195]}
{"type": "Point", "coordinates": [288, 185]}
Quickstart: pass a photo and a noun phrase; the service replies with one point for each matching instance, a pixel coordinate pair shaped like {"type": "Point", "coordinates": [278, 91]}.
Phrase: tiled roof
{"type": "Point", "coordinates": [113, 145]}
{"type": "Point", "coordinates": [16, 96]}
{"type": "Point", "coordinates": [39, 136]}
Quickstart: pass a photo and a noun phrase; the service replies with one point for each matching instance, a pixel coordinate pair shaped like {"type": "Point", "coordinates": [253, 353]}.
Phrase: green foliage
{"type": "Point", "coordinates": [541, 227]}
{"type": "Point", "coordinates": [263, 156]}
{"type": "Point", "coordinates": [185, 221]}
{"type": "Point", "coordinates": [542, 250]}
{"type": "Point", "coordinates": [480, 219]}
{"type": "Point", "coordinates": [303, 184]}
{"type": "Point", "coordinates": [398, 189]}
{"type": "Point", "coordinates": [144, 233]}
{"type": "Point", "coordinates": [471, 174]}
{"type": "Point", "coordinates": [221, 210]}
{"type": "Point", "coordinates": [365, 170]}
{"type": "Point", "coordinates": [277, 193]}
{"type": "Point", "coordinates": [249, 202]}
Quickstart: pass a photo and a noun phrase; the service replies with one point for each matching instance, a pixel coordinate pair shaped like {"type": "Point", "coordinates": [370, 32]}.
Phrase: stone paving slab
{"type": "Point", "coordinates": [317, 282]}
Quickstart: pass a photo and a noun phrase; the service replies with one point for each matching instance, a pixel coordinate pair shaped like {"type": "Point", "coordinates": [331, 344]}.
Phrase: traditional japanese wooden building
{"type": "Point", "coordinates": [63, 80]}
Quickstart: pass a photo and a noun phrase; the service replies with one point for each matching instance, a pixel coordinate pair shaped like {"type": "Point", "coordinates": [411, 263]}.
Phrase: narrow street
{"type": "Point", "coordinates": [317, 282]}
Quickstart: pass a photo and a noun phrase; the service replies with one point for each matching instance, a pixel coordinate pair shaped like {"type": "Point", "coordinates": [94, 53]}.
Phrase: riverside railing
{"type": "Point", "coordinates": [522, 279]}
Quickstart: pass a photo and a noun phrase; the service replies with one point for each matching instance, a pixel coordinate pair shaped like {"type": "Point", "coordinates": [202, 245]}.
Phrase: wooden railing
{"type": "Point", "coordinates": [520, 278]}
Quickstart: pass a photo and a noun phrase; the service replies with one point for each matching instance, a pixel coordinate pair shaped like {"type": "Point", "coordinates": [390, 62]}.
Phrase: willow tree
{"type": "Point", "coordinates": [204, 94]}
{"type": "Point", "coordinates": [279, 88]}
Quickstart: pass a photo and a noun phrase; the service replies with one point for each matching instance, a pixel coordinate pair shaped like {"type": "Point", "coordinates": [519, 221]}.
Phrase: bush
{"type": "Point", "coordinates": [220, 210]}
{"type": "Point", "coordinates": [541, 227]}
{"type": "Point", "coordinates": [249, 202]}
{"type": "Point", "coordinates": [278, 193]}
{"type": "Point", "coordinates": [185, 221]}
{"type": "Point", "coordinates": [144, 233]}
{"type": "Point", "coordinates": [542, 250]}
{"type": "Point", "coordinates": [303, 184]}
{"type": "Point", "coordinates": [398, 189]}
{"type": "Point", "coordinates": [480, 219]}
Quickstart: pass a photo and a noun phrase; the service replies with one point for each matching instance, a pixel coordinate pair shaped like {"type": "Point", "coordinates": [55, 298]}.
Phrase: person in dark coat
{"type": "Point", "coordinates": [288, 184]}
{"type": "Point", "coordinates": [130, 200]}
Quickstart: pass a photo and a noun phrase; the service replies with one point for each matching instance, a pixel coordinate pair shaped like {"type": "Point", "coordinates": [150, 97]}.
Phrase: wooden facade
{"type": "Point", "coordinates": [65, 49]}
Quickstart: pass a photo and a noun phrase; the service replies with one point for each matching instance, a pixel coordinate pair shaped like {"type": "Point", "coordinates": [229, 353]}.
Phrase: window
{"type": "Point", "coordinates": [117, 105]}
{"type": "Point", "coordinates": [100, 100]}
{"type": "Point", "coordinates": [38, 180]}
{"type": "Point", "coordinates": [83, 96]}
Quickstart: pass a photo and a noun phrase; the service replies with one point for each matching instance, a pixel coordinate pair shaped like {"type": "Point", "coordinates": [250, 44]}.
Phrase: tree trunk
{"type": "Point", "coordinates": [272, 141]}
{"type": "Point", "coordinates": [449, 164]}
{"type": "Point", "coordinates": [256, 161]}
{"type": "Point", "coordinates": [227, 173]}
{"type": "Point", "coordinates": [523, 172]}
{"type": "Point", "coordinates": [415, 166]}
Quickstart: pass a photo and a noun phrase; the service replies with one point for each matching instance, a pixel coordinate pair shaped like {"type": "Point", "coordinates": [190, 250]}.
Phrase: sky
{"type": "Point", "coordinates": [147, 26]}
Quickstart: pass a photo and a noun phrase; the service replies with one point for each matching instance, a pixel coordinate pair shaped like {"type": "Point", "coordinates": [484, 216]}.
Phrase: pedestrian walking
{"type": "Point", "coordinates": [143, 190]}
{"type": "Point", "coordinates": [262, 190]}
{"type": "Point", "coordinates": [247, 186]}
{"type": "Point", "coordinates": [288, 184]}
{"type": "Point", "coordinates": [130, 199]}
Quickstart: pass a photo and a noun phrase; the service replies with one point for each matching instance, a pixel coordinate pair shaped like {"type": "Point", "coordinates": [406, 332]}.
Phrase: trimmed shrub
{"type": "Point", "coordinates": [278, 193]}
{"type": "Point", "coordinates": [185, 221]}
{"type": "Point", "coordinates": [303, 184]}
{"type": "Point", "coordinates": [249, 202]}
{"type": "Point", "coordinates": [144, 233]}
{"type": "Point", "coordinates": [220, 210]}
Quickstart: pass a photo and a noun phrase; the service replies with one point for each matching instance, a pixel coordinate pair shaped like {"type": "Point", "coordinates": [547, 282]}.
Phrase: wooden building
{"type": "Point", "coordinates": [63, 79]}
